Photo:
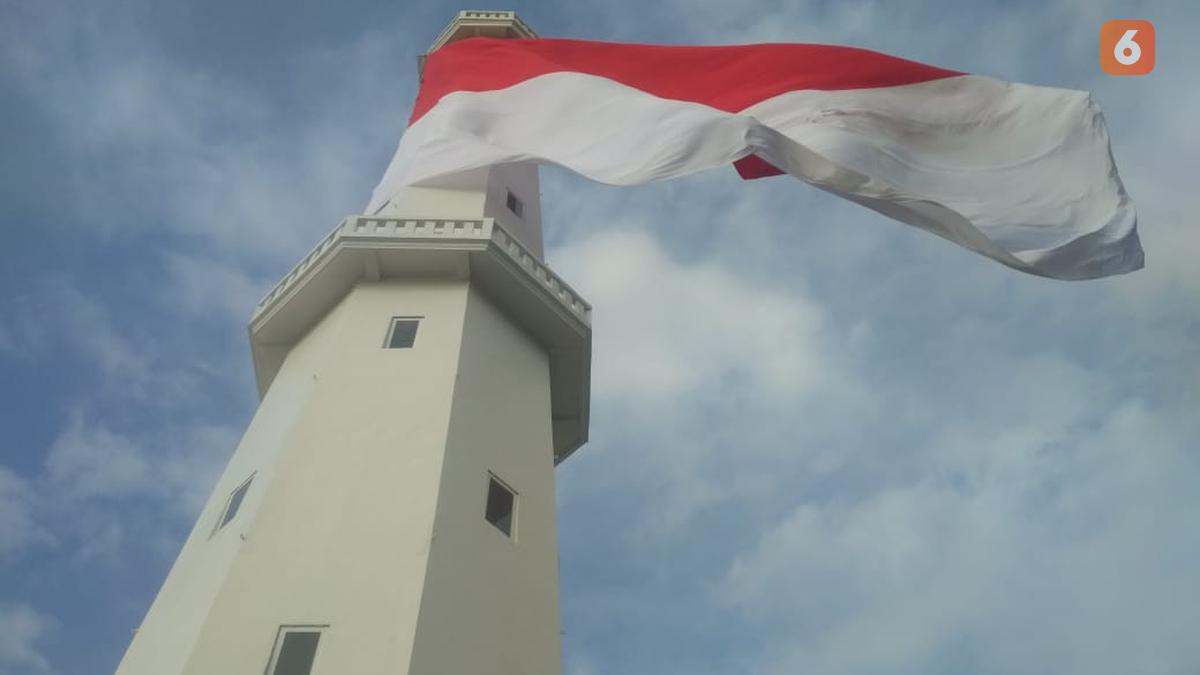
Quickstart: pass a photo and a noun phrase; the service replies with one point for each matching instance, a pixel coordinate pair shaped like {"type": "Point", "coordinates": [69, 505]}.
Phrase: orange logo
{"type": "Point", "coordinates": [1127, 47]}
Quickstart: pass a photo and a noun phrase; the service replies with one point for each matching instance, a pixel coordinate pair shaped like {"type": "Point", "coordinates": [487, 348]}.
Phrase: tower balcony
{"type": "Point", "coordinates": [364, 248]}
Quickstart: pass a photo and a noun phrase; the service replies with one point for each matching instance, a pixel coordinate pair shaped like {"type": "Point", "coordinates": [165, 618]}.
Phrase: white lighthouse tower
{"type": "Point", "coordinates": [390, 509]}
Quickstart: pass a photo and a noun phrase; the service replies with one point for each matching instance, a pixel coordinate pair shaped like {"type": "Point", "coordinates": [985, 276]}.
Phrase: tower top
{"type": "Point", "coordinates": [399, 249]}
{"type": "Point", "coordinates": [507, 192]}
{"type": "Point", "coordinates": [479, 23]}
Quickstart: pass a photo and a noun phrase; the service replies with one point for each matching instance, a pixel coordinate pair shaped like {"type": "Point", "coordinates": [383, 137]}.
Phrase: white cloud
{"type": "Point", "coordinates": [88, 461]}
{"type": "Point", "coordinates": [19, 528]}
{"type": "Point", "coordinates": [668, 331]}
{"type": "Point", "coordinates": [1043, 540]}
{"type": "Point", "coordinates": [664, 328]}
{"type": "Point", "coordinates": [204, 286]}
{"type": "Point", "coordinates": [174, 465]}
{"type": "Point", "coordinates": [62, 324]}
{"type": "Point", "coordinates": [65, 313]}
{"type": "Point", "coordinates": [202, 154]}
{"type": "Point", "coordinates": [21, 628]}
{"type": "Point", "coordinates": [581, 667]}
{"type": "Point", "coordinates": [107, 492]}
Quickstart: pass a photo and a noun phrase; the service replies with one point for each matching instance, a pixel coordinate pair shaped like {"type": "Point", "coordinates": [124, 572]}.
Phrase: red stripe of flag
{"type": "Point", "coordinates": [729, 78]}
{"type": "Point", "coordinates": [753, 166]}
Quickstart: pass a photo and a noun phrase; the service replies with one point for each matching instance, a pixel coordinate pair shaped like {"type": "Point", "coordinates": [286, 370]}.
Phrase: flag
{"type": "Point", "coordinates": [1022, 174]}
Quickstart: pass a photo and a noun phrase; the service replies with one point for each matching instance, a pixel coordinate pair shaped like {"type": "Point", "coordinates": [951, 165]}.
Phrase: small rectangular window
{"type": "Point", "coordinates": [514, 204]}
{"type": "Point", "coordinates": [501, 503]}
{"type": "Point", "coordinates": [234, 502]}
{"type": "Point", "coordinates": [295, 650]}
{"type": "Point", "coordinates": [402, 332]}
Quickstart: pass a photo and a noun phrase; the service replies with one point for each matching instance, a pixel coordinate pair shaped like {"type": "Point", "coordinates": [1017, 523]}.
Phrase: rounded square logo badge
{"type": "Point", "coordinates": [1127, 47]}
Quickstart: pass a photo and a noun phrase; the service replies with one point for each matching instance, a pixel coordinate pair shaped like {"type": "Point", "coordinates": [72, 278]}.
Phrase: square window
{"type": "Point", "coordinates": [234, 502]}
{"type": "Point", "coordinates": [295, 650]}
{"type": "Point", "coordinates": [402, 333]}
{"type": "Point", "coordinates": [501, 506]}
{"type": "Point", "coordinates": [514, 204]}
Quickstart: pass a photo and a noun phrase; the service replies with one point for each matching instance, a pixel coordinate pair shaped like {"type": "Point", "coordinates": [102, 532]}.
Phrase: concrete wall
{"type": "Point", "coordinates": [355, 450]}
{"type": "Point", "coordinates": [476, 194]}
{"type": "Point", "coordinates": [343, 535]}
{"type": "Point", "coordinates": [491, 602]}
{"type": "Point", "coordinates": [168, 633]}
{"type": "Point", "coordinates": [346, 448]}
{"type": "Point", "coordinates": [522, 181]}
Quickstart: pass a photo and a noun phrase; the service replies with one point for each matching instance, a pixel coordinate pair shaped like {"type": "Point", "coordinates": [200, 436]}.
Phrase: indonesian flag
{"type": "Point", "coordinates": [1019, 173]}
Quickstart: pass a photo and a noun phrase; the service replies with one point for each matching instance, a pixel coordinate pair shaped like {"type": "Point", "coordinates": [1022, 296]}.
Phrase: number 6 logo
{"type": "Point", "coordinates": [1127, 52]}
{"type": "Point", "coordinates": [1127, 47]}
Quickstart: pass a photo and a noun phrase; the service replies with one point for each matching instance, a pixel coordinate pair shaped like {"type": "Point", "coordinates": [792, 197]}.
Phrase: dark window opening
{"type": "Point", "coordinates": [296, 652]}
{"type": "Point", "coordinates": [402, 333]}
{"type": "Point", "coordinates": [514, 204]}
{"type": "Point", "coordinates": [500, 503]}
{"type": "Point", "coordinates": [235, 502]}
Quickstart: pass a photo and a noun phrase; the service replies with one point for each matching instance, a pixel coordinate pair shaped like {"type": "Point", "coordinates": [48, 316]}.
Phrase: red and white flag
{"type": "Point", "coordinates": [1019, 173]}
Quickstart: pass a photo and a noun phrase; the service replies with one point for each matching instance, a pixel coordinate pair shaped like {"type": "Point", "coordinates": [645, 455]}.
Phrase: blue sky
{"type": "Point", "coordinates": [821, 441]}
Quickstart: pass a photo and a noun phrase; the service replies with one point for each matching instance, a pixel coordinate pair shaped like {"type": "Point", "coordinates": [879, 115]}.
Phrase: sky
{"type": "Point", "coordinates": [821, 441]}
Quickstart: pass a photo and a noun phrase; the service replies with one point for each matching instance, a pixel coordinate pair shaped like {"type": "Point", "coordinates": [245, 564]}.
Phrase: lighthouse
{"type": "Point", "coordinates": [390, 508]}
